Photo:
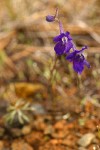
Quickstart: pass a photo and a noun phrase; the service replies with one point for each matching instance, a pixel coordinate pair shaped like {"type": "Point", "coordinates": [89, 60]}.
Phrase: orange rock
{"type": "Point", "coordinates": [60, 124]}
{"type": "Point", "coordinates": [33, 137]}
{"type": "Point", "coordinates": [20, 145]}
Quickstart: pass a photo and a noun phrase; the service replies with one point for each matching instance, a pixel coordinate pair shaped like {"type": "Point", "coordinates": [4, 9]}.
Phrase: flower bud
{"type": "Point", "coordinates": [50, 18]}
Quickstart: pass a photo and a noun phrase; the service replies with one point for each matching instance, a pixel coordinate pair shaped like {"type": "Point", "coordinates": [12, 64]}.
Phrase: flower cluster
{"type": "Point", "coordinates": [64, 45]}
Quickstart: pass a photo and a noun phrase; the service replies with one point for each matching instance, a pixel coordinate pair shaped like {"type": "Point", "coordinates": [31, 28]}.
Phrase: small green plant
{"type": "Point", "coordinates": [18, 111]}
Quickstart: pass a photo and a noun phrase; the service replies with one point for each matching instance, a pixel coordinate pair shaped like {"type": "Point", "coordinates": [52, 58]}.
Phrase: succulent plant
{"type": "Point", "coordinates": [18, 110]}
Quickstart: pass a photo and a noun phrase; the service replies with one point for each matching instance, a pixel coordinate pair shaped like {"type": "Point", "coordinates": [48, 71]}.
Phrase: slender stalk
{"type": "Point", "coordinates": [53, 68]}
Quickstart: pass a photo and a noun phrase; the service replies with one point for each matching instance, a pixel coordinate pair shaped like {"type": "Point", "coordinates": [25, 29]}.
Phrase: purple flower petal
{"type": "Point", "coordinates": [58, 38]}
{"type": "Point", "coordinates": [71, 56]}
{"type": "Point", "coordinates": [67, 34]}
{"type": "Point", "coordinates": [87, 63]}
{"type": "Point", "coordinates": [59, 48]}
{"type": "Point", "coordinates": [78, 67]}
{"type": "Point", "coordinates": [79, 58]}
{"type": "Point", "coordinates": [69, 45]}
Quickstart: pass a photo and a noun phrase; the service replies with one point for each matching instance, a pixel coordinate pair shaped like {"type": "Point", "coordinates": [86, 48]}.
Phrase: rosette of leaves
{"type": "Point", "coordinates": [18, 112]}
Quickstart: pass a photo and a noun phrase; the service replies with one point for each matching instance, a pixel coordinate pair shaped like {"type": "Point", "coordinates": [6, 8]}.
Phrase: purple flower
{"type": "Point", "coordinates": [78, 60]}
{"type": "Point", "coordinates": [63, 43]}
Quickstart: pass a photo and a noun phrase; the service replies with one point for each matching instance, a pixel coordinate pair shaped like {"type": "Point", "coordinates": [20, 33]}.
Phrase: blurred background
{"type": "Point", "coordinates": [27, 57]}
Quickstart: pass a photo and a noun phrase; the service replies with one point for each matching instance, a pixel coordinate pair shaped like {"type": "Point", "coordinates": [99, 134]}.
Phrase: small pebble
{"type": "Point", "coordinates": [86, 139]}
{"type": "Point", "coordinates": [26, 130]}
{"type": "Point", "coordinates": [20, 145]}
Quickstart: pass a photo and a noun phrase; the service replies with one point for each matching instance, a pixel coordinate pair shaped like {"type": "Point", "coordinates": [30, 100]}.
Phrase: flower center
{"type": "Point", "coordinates": [64, 40]}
